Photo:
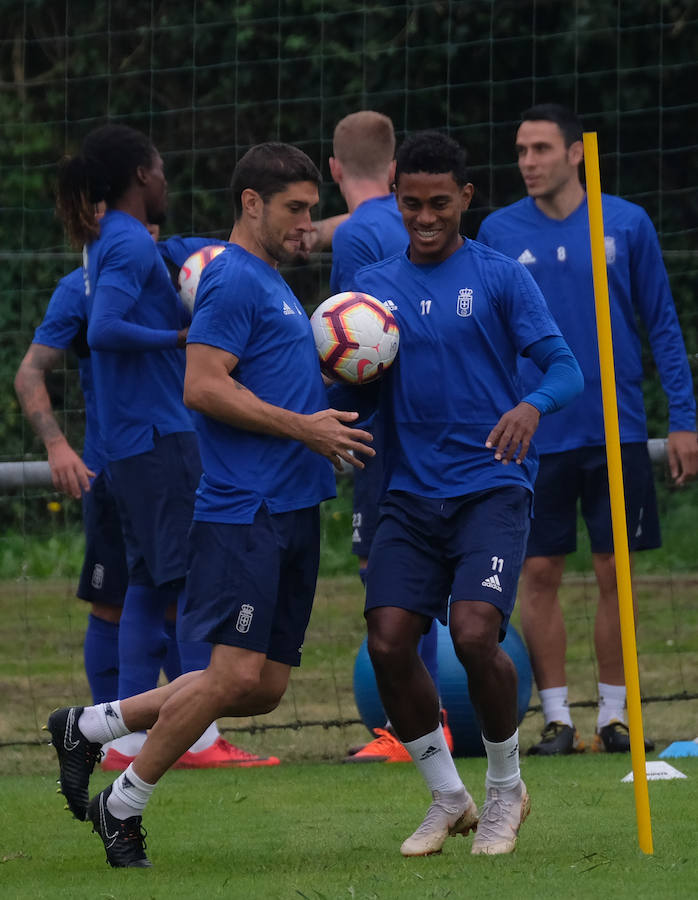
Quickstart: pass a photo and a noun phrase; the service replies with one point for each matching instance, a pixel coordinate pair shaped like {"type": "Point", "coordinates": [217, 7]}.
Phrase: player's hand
{"type": "Point", "coordinates": [69, 473]}
{"type": "Point", "coordinates": [182, 337]}
{"type": "Point", "coordinates": [511, 436]}
{"type": "Point", "coordinates": [309, 242]}
{"type": "Point", "coordinates": [682, 450]}
{"type": "Point", "coordinates": [327, 435]}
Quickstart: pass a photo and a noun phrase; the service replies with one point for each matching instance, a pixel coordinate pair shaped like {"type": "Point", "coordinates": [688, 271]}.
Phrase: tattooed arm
{"type": "Point", "coordinates": [209, 389]}
{"type": "Point", "coordinates": [69, 473]}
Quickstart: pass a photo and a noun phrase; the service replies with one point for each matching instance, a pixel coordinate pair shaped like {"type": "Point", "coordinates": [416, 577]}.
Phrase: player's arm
{"type": "Point", "coordinates": [69, 473]}
{"type": "Point", "coordinates": [109, 330]}
{"type": "Point", "coordinates": [209, 389]}
{"type": "Point", "coordinates": [562, 381]}
{"type": "Point", "coordinates": [652, 292]}
{"type": "Point", "coordinates": [320, 235]}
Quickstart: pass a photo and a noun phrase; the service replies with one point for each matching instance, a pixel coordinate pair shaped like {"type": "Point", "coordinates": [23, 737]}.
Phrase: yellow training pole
{"type": "Point", "coordinates": [615, 478]}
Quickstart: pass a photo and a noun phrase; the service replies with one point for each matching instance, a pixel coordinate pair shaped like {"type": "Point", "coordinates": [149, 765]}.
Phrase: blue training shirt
{"type": "Point", "coordinates": [462, 325]}
{"type": "Point", "coordinates": [245, 307]}
{"type": "Point", "coordinates": [65, 325]}
{"type": "Point", "coordinates": [373, 231]}
{"type": "Point", "coordinates": [558, 255]}
{"type": "Point", "coordinates": [137, 390]}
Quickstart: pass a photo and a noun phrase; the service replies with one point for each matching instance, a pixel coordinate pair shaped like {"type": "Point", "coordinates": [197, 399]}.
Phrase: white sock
{"type": "Point", "coordinates": [207, 739]}
{"type": "Point", "coordinates": [503, 763]}
{"type": "Point", "coordinates": [611, 704]}
{"type": "Point", "coordinates": [129, 795]}
{"type": "Point", "coordinates": [555, 706]}
{"type": "Point", "coordinates": [433, 759]}
{"type": "Point", "coordinates": [103, 722]}
{"type": "Point", "coordinates": [129, 744]}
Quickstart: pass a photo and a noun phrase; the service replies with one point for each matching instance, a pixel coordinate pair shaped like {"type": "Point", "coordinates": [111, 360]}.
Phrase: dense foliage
{"type": "Point", "coordinates": [208, 78]}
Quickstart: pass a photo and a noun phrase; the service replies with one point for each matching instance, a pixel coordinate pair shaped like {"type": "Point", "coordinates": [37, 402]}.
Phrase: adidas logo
{"type": "Point", "coordinates": [287, 310]}
{"type": "Point", "coordinates": [492, 582]}
{"type": "Point", "coordinates": [527, 258]}
{"type": "Point", "coordinates": [389, 304]}
{"type": "Point", "coordinates": [429, 752]}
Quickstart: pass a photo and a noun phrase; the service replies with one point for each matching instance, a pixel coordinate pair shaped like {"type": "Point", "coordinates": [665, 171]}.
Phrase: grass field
{"type": "Point", "coordinates": [318, 831]}
{"type": "Point", "coordinates": [312, 828]}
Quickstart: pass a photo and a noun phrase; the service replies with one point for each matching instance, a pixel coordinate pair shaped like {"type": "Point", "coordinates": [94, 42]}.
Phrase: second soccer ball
{"type": "Point", "coordinates": [190, 273]}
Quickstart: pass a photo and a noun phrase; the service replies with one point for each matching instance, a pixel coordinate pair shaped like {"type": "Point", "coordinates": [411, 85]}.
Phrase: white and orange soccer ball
{"type": "Point", "coordinates": [190, 272]}
{"type": "Point", "coordinates": [356, 337]}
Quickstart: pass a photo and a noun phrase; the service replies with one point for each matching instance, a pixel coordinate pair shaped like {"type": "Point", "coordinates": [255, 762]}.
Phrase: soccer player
{"type": "Point", "coordinates": [548, 232]}
{"type": "Point", "coordinates": [104, 573]}
{"type": "Point", "coordinates": [363, 165]}
{"type": "Point", "coordinates": [266, 436]}
{"type": "Point", "coordinates": [136, 337]}
{"type": "Point", "coordinates": [460, 468]}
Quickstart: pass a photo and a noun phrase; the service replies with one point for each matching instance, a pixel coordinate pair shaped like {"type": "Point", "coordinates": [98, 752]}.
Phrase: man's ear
{"type": "Point", "coordinates": [252, 203]}
{"type": "Point", "coordinates": [467, 195]}
{"type": "Point", "coordinates": [335, 169]}
{"type": "Point", "coordinates": [575, 153]}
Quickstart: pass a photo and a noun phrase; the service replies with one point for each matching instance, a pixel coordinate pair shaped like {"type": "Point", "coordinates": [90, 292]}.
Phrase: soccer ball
{"type": "Point", "coordinates": [356, 337]}
{"type": "Point", "coordinates": [189, 274]}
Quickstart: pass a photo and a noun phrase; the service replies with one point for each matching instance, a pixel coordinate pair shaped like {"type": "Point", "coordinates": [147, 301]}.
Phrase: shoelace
{"type": "Point", "coordinates": [134, 832]}
{"type": "Point", "coordinates": [551, 730]}
{"type": "Point", "coordinates": [494, 810]}
{"type": "Point", "coordinates": [619, 726]}
{"type": "Point", "coordinates": [385, 740]}
{"type": "Point", "coordinates": [93, 754]}
{"type": "Point", "coordinates": [435, 817]}
{"type": "Point", "coordinates": [238, 753]}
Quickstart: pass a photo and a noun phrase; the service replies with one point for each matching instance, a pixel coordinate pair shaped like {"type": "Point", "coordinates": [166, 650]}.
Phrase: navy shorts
{"type": "Point", "coordinates": [368, 490]}
{"type": "Point", "coordinates": [471, 548]}
{"type": "Point", "coordinates": [582, 475]}
{"type": "Point", "coordinates": [155, 494]}
{"type": "Point", "coordinates": [104, 575]}
{"type": "Point", "coordinates": [252, 586]}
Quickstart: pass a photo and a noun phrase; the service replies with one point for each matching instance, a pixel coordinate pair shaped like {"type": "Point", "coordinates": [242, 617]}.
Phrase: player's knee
{"type": "Point", "coordinates": [387, 654]}
{"type": "Point", "coordinates": [267, 702]}
{"type": "Point", "coordinates": [541, 578]}
{"type": "Point", "coordinates": [475, 645]}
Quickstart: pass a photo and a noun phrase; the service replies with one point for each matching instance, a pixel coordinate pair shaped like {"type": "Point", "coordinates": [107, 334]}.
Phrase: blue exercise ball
{"type": "Point", "coordinates": [453, 681]}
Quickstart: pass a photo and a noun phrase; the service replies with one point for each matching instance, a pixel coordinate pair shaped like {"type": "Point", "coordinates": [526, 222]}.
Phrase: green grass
{"type": "Point", "coordinates": [314, 829]}
{"type": "Point", "coordinates": [330, 831]}
{"type": "Point", "coordinates": [60, 552]}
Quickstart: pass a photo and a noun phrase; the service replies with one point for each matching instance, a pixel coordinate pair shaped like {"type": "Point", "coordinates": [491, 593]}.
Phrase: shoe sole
{"type": "Point", "coordinates": [580, 747]}
{"type": "Point", "coordinates": [358, 758]}
{"type": "Point", "coordinates": [355, 758]}
{"type": "Point", "coordinates": [227, 765]}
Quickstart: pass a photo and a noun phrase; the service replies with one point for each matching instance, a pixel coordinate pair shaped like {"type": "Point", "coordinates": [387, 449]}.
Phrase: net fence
{"type": "Point", "coordinates": [208, 79]}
